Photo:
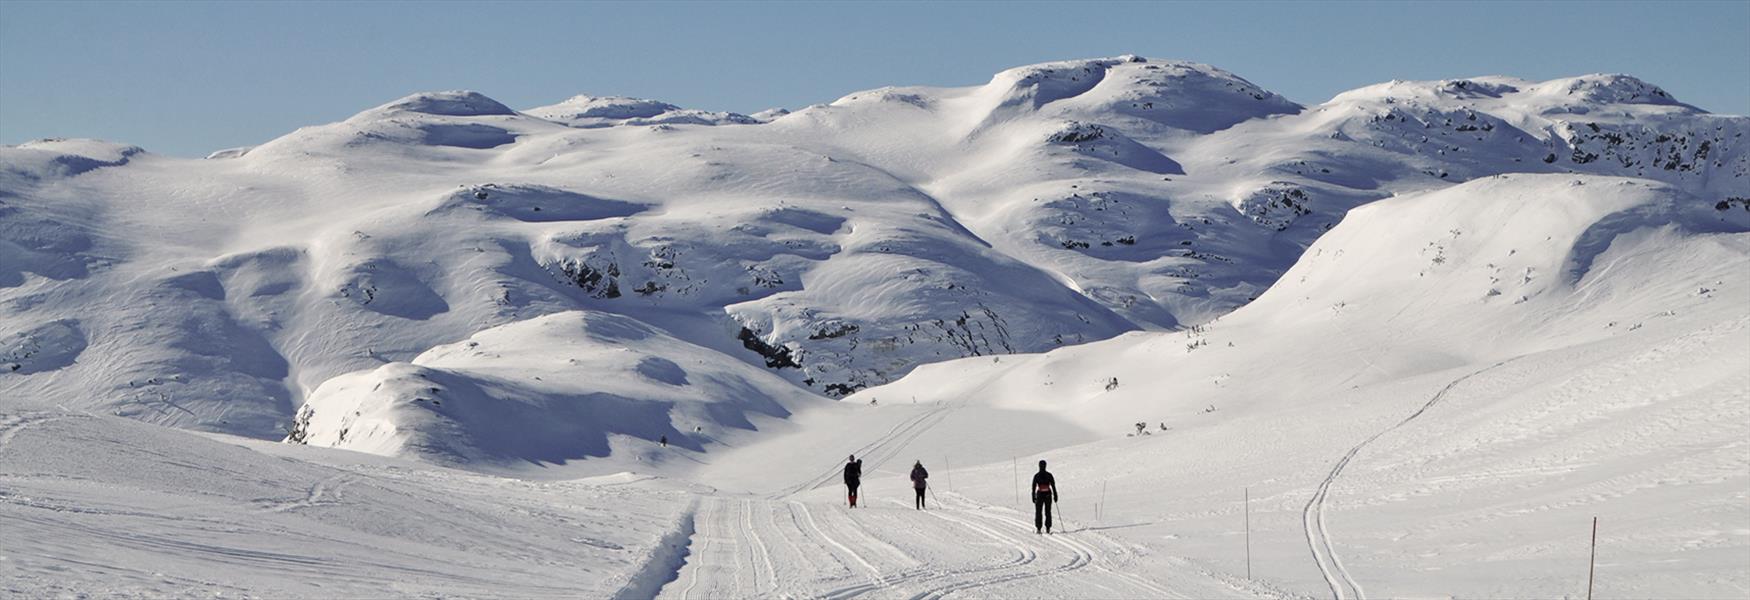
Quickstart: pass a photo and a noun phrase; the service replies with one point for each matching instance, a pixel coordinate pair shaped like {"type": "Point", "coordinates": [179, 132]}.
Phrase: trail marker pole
{"type": "Point", "coordinates": [1101, 514]}
{"type": "Point", "coordinates": [1248, 534]}
{"type": "Point", "coordinates": [1592, 563]}
{"type": "Point", "coordinates": [1015, 467]}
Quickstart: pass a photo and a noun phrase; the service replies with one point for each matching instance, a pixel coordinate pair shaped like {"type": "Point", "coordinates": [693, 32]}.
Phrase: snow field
{"type": "Point", "coordinates": [106, 506]}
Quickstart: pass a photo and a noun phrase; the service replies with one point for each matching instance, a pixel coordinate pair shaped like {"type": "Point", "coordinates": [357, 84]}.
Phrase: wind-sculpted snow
{"type": "Point", "coordinates": [42, 245]}
{"type": "Point", "coordinates": [549, 390]}
{"type": "Point", "coordinates": [535, 203]}
{"type": "Point", "coordinates": [41, 348]}
{"type": "Point", "coordinates": [1181, 95]}
{"type": "Point", "coordinates": [54, 158]}
{"type": "Point", "coordinates": [838, 246]}
{"type": "Point", "coordinates": [460, 103]}
{"type": "Point", "coordinates": [592, 111]}
{"type": "Point", "coordinates": [1501, 241]}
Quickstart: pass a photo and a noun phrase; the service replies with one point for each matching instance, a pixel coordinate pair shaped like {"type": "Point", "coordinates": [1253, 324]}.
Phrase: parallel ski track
{"type": "Point", "coordinates": [10, 425]}
{"type": "Point", "coordinates": [1080, 539]}
{"type": "Point", "coordinates": [878, 451]}
{"type": "Point", "coordinates": [1021, 557]}
{"type": "Point", "coordinates": [760, 550]}
{"type": "Point", "coordinates": [1008, 531]}
{"type": "Point", "coordinates": [705, 547]}
{"type": "Point", "coordinates": [844, 540]}
{"type": "Point", "coordinates": [1318, 538]}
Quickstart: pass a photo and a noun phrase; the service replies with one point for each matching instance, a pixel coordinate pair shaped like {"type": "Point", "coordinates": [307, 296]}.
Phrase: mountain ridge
{"type": "Point", "coordinates": [839, 245]}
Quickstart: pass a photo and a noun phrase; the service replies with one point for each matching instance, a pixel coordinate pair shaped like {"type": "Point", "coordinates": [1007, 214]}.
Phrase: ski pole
{"type": "Point", "coordinates": [1592, 561]}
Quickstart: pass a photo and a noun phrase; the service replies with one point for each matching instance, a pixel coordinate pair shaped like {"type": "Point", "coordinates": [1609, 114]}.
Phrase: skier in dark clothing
{"type": "Point", "coordinates": [1044, 494]}
{"type": "Point", "coordinates": [918, 475]}
{"type": "Point", "coordinates": [853, 476]}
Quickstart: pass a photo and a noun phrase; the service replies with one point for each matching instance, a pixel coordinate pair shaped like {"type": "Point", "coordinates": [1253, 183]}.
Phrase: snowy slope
{"type": "Point", "coordinates": [1435, 400]}
{"type": "Point", "coordinates": [547, 390]}
{"type": "Point", "coordinates": [1432, 326]}
{"type": "Point", "coordinates": [593, 111]}
{"type": "Point", "coordinates": [102, 506]}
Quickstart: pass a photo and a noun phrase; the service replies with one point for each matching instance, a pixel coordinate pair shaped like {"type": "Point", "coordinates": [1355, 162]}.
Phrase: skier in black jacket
{"type": "Point", "coordinates": [1044, 494]}
{"type": "Point", "coordinates": [853, 476]}
{"type": "Point", "coordinates": [918, 475]}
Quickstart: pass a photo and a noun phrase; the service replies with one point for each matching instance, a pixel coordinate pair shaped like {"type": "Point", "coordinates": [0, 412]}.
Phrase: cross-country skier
{"type": "Point", "coordinates": [853, 476]}
{"type": "Point", "coordinates": [918, 475]}
{"type": "Point", "coordinates": [1044, 493]}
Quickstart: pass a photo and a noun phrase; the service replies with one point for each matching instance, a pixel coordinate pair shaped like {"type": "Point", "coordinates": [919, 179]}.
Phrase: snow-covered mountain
{"type": "Point", "coordinates": [1414, 309]}
{"type": "Point", "coordinates": [840, 245]}
{"type": "Point", "coordinates": [593, 111]}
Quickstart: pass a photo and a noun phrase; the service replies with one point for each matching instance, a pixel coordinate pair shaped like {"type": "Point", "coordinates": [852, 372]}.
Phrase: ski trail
{"type": "Point", "coordinates": [803, 529]}
{"type": "Point", "coordinates": [908, 561]}
{"type": "Point", "coordinates": [1084, 555]}
{"type": "Point", "coordinates": [1313, 522]}
{"type": "Point", "coordinates": [879, 550]}
{"type": "Point", "coordinates": [937, 583]}
{"type": "Point", "coordinates": [925, 574]}
{"type": "Point", "coordinates": [1150, 588]}
{"type": "Point", "coordinates": [741, 549]}
{"type": "Point", "coordinates": [759, 548]}
{"type": "Point", "coordinates": [989, 577]}
{"type": "Point", "coordinates": [10, 425]}
{"type": "Point", "coordinates": [790, 551]}
{"type": "Point", "coordinates": [877, 451]}
{"type": "Point", "coordinates": [808, 519]}
{"type": "Point", "coordinates": [705, 548]}
{"type": "Point", "coordinates": [962, 548]}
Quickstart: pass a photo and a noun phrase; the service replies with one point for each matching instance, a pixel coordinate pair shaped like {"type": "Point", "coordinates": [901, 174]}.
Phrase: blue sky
{"type": "Point", "coordinates": [190, 77]}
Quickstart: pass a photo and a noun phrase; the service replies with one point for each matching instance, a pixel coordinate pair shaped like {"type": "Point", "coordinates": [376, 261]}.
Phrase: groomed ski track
{"type": "Point", "coordinates": [758, 548]}
{"type": "Point", "coordinates": [800, 544]}
{"type": "Point", "coordinates": [1318, 538]}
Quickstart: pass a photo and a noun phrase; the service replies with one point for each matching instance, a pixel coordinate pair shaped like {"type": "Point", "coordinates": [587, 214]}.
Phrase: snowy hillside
{"type": "Point", "coordinates": [102, 506]}
{"type": "Point", "coordinates": [591, 111]}
{"type": "Point", "coordinates": [840, 245]}
{"type": "Point", "coordinates": [1434, 401]}
{"type": "Point", "coordinates": [1431, 328]}
{"type": "Point", "coordinates": [546, 390]}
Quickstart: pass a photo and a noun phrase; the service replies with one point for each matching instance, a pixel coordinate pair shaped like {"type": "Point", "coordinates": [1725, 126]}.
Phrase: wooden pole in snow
{"type": "Point", "coordinates": [1248, 533]}
{"type": "Point", "coordinates": [950, 471]}
{"type": "Point", "coordinates": [1101, 516]}
{"type": "Point", "coordinates": [1592, 563]}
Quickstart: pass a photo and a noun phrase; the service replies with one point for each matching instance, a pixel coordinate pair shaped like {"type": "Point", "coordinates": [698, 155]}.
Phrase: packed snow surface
{"type": "Point", "coordinates": [1409, 342]}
